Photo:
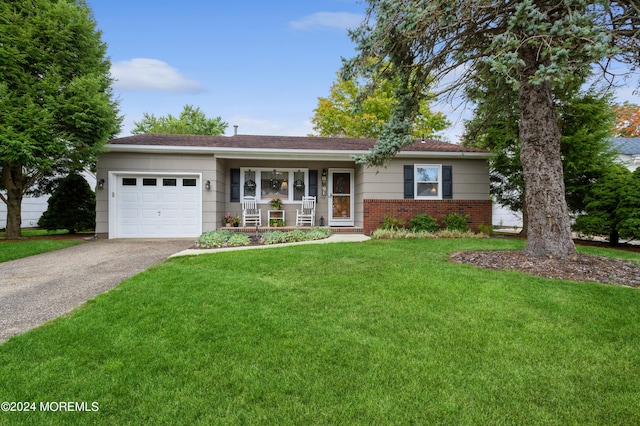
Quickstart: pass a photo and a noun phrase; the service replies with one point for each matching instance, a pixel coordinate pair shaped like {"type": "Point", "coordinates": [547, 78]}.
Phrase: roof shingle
{"type": "Point", "coordinates": [280, 142]}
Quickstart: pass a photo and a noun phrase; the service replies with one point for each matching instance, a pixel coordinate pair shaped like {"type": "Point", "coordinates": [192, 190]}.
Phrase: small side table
{"type": "Point", "coordinates": [273, 215]}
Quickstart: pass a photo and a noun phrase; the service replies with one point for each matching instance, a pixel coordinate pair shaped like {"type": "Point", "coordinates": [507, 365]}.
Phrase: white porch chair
{"type": "Point", "coordinates": [251, 214]}
{"type": "Point", "coordinates": [306, 215]}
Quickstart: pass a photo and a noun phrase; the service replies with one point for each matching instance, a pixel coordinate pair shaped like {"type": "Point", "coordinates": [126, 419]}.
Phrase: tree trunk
{"type": "Point", "coordinates": [614, 237]}
{"type": "Point", "coordinates": [525, 218]}
{"type": "Point", "coordinates": [548, 227]}
{"type": "Point", "coordinates": [12, 178]}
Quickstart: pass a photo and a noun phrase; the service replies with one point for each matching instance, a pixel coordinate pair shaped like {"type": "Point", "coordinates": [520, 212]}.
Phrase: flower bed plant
{"type": "Point", "coordinates": [388, 234]}
{"type": "Point", "coordinates": [225, 238]}
{"type": "Point", "coordinates": [297, 235]}
{"type": "Point", "coordinates": [222, 238]}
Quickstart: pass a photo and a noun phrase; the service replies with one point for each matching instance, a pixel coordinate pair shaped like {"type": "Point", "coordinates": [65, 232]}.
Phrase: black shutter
{"type": "Point", "coordinates": [313, 183]}
{"type": "Point", "coordinates": [408, 182]}
{"type": "Point", "coordinates": [447, 182]}
{"type": "Point", "coordinates": [235, 186]}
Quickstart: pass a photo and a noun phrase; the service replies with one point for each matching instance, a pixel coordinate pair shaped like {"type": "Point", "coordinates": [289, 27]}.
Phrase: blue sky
{"type": "Point", "coordinates": [257, 64]}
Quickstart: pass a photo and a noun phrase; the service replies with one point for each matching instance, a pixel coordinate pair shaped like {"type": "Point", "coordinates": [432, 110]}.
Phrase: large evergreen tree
{"type": "Point", "coordinates": [629, 208]}
{"type": "Point", "coordinates": [72, 206]}
{"type": "Point", "coordinates": [531, 44]}
{"type": "Point", "coordinates": [585, 118]}
{"type": "Point", "coordinates": [56, 106]}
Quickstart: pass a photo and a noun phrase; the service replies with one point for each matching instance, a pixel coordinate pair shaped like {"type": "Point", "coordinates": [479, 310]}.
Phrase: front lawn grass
{"type": "Point", "coordinates": [383, 332]}
{"type": "Point", "coordinates": [16, 249]}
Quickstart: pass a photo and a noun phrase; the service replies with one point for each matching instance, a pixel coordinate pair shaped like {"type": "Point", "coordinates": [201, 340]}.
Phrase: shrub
{"type": "Point", "coordinates": [485, 229]}
{"type": "Point", "coordinates": [456, 222]}
{"type": "Point", "coordinates": [297, 235]}
{"type": "Point", "coordinates": [388, 234]}
{"type": "Point", "coordinates": [392, 223]}
{"type": "Point", "coordinates": [215, 239]}
{"type": "Point", "coordinates": [72, 206]}
{"type": "Point", "coordinates": [424, 222]}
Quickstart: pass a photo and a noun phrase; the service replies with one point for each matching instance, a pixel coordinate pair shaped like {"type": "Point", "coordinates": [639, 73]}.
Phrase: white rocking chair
{"type": "Point", "coordinates": [251, 214]}
{"type": "Point", "coordinates": [307, 214]}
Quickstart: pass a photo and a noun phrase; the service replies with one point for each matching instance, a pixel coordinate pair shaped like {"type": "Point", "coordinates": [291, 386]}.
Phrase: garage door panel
{"type": "Point", "coordinates": [170, 213]}
{"type": "Point", "coordinates": [189, 198]}
{"type": "Point", "coordinates": [150, 197]}
{"type": "Point", "coordinates": [149, 213]}
{"type": "Point", "coordinates": [190, 213]}
{"type": "Point", "coordinates": [170, 198]}
{"type": "Point", "coordinates": [129, 197]}
{"type": "Point", "coordinates": [129, 214]}
{"type": "Point", "coordinates": [161, 211]}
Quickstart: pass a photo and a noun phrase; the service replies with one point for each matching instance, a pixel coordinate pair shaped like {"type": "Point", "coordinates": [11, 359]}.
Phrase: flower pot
{"type": "Point", "coordinates": [228, 225]}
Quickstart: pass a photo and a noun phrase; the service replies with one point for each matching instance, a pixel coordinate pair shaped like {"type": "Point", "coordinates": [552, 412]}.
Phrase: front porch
{"type": "Point", "coordinates": [261, 229]}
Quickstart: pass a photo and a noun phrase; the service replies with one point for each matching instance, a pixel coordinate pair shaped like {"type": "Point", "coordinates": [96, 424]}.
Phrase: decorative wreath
{"type": "Point", "coordinates": [250, 185]}
{"type": "Point", "coordinates": [298, 185]}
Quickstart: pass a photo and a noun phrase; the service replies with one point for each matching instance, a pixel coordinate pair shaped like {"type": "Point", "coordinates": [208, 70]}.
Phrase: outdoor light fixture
{"type": "Point", "coordinates": [207, 185]}
{"type": "Point", "coordinates": [101, 184]}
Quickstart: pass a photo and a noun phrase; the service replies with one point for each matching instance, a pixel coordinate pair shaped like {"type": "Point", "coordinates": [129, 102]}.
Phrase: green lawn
{"type": "Point", "coordinates": [383, 332]}
{"type": "Point", "coordinates": [17, 249]}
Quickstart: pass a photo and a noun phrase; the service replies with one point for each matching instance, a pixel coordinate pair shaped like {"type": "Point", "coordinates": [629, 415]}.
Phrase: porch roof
{"type": "Point", "coordinates": [280, 147]}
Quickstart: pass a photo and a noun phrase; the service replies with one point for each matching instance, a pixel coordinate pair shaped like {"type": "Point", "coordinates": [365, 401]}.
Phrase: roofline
{"type": "Point", "coordinates": [285, 154]}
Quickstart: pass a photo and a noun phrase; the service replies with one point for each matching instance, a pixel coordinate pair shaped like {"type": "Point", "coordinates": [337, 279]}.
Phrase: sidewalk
{"type": "Point", "coordinates": [335, 238]}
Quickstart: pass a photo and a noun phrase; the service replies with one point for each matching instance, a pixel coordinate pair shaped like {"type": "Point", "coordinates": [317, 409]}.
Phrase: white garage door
{"type": "Point", "coordinates": [158, 206]}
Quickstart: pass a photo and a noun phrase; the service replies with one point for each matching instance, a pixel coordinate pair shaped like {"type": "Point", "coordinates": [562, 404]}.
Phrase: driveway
{"type": "Point", "coordinates": [39, 288]}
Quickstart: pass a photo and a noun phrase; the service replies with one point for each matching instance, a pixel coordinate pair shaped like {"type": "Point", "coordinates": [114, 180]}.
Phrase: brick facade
{"type": "Point", "coordinates": [376, 210]}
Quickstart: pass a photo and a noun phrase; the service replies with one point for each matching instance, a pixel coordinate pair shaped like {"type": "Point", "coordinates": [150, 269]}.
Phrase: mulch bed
{"type": "Point", "coordinates": [585, 268]}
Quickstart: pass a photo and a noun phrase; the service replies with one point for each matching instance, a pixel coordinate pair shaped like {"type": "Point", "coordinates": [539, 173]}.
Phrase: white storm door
{"type": "Point", "coordinates": [341, 197]}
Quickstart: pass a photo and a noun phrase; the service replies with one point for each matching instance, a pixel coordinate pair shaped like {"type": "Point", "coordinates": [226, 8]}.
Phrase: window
{"type": "Point", "coordinates": [428, 181]}
{"type": "Point", "coordinates": [169, 182]}
{"type": "Point", "coordinates": [149, 182]}
{"type": "Point", "coordinates": [188, 182]}
{"type": "Point", "coordinates": [267, 184]}
{"type": "Point", "coordinates": [129, 181]}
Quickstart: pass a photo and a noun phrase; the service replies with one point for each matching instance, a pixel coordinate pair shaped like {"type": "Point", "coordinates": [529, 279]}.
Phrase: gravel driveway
{"type": "Point", "coordinates": [40, 288]}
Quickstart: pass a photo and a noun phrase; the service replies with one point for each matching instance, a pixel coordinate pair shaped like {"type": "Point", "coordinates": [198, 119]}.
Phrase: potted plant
{"type": "Point", "coordinates": [236, 221]}
{"type": "Point", "coordinates": [227, 220]}
{"type": "Point", "coordinates": [277, 222]}
{"type": "Point", "coordinates": [276, 203]}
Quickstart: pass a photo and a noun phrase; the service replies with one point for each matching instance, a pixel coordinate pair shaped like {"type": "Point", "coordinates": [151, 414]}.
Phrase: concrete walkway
{"type": "Point", "coordinates": [334, 238]}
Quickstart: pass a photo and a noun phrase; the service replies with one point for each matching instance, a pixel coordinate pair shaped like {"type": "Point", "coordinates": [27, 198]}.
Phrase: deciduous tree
{"type": "Point", "coordinates": [533, 44]}
{"type": "Point", "coordinates": [192, 121]}
{"type": "Point", "coordinates": [56, 105]}
{"type": "Point", "coordinates": [627, 120]}
{"type": "Point", "coordinates": [340, 115]}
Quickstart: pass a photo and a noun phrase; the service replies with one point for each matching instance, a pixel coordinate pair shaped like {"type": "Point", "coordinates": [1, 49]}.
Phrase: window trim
{"type": "Point", "coordinates": [416, 182]}
{"type": "Point", "coordinates": [290, 179]}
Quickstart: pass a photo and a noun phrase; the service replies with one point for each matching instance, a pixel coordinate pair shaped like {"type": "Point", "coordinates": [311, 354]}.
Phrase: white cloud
{"type": "Point", "coordinates": [151, 75]}
{"type": "Point", "coordinates": [339, 20]}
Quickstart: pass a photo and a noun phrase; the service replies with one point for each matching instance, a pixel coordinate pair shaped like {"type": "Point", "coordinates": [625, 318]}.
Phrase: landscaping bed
{"type": "Point", "coordinates": [227, 238]}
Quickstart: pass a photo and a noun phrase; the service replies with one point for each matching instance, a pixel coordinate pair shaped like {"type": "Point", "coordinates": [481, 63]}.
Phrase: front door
{"type": "Point", "coordinates": [341, 197]}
